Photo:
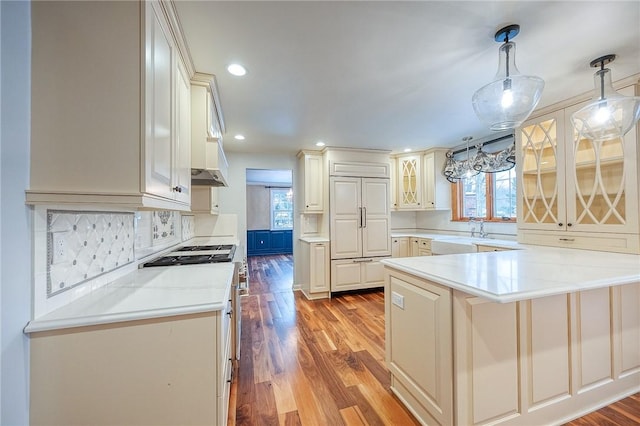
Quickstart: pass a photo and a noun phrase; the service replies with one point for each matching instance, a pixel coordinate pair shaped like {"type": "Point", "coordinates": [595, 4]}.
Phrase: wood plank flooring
{"type": "Point", "coordinates": [322, 362]}
{"type": "Point", "coordinates": [310, 362]}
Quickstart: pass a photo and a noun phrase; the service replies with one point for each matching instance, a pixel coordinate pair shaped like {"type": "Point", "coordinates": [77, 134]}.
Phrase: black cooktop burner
{"type": "Point", "coordinates": [175, 258]}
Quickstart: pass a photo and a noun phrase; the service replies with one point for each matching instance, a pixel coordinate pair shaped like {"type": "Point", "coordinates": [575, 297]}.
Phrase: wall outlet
{"type": "Point", "coordinates": [397, 299]}
{"type": "Point", "coordinates": [59, 247]}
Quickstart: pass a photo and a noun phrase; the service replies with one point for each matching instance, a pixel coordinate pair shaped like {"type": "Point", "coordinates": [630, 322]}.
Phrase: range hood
{"type": "Point", "coordinates": [209, 165]}
{"type": "Point", "coordinates": [204, 177]}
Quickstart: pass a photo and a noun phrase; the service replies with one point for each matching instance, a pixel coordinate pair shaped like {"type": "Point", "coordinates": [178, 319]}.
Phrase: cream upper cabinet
{"type": "Point", "coordinates": [417, 183]}
{"type": "Point", "coordinates": [182, 147]}
{"type": "Point", "coordinates": [204, 199]}
{"type": "Point", "coordinates": [437, 190]}
{"type": "Point", "coordinates": [393, 183]}
{"type": "Point", "coordinates": [312, 171]}
{"type": "Point", "coordinates": [409, 168]}
{"type": "Point", "coordinates": [585, 191]}
{"type": "Point", "coordinates": [117, 141]}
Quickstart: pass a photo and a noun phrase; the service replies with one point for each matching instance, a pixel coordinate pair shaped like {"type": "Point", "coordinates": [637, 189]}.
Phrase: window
{"type": "Point", "coordinates": [281, 208]}
{"type": "Point", "coordinates": [490, 196]}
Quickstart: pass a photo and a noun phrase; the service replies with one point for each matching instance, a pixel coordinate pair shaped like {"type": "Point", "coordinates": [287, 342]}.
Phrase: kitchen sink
{"type": "Point", "coordinates": [452, 246]}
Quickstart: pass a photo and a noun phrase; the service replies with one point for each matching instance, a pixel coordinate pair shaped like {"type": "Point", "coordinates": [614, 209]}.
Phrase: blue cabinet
{"type": "Point", "coordinates": [260, 242]}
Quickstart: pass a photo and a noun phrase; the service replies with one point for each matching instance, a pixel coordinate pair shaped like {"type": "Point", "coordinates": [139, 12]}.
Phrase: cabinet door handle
{"type": "Point", "coordinates": [177, 189]}
{"type": "Point", "coordinates": [560, 224]}
{"type": "Point", "coordinates": [364, 217]}
{"type": "Point", "coordinates": [569, 224]}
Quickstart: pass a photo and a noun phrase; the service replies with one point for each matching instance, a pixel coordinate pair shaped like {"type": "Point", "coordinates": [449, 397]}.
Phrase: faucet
{"type": "Point", "coordinates": [482, 233]}
{"type": "Point", "coordinates": [472, 225]}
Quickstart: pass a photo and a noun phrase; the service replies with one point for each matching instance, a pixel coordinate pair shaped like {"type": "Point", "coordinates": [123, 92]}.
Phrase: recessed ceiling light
{"type": "Point", "coordinates": [237, 70]}
{"type": "Point", "coordinates": [407, 150]}
{"type": "Point", "coordinates": [320, 143]}
{"type": "Point", "coordinates": [239, 137]}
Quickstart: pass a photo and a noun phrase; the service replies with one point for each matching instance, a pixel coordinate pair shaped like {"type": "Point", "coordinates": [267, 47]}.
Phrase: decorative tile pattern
{"type": "Point", "coordinates": [85, 245]}
{"type": "Point", "coordinates": [163, 226]}
{"type": "Point", "coordinates": [188, 227]}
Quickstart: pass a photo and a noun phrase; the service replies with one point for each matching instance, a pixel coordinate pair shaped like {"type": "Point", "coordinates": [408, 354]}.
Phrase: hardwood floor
{"type": "Point", "coordinates": [311, 362]}
{"type": "Point", "coordinates": [322, 362]}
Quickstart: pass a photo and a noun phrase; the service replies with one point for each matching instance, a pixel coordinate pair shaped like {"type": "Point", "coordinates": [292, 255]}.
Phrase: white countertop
{"type": "Point", "coordinates": [535, 271]}
{"type": "Point", "coordinates": [314, 239]}
{"type": "Point", "coordinates": [146, 293]}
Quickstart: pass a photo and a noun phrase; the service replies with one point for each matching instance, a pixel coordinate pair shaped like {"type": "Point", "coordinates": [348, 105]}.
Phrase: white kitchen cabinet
{"type": "Point", "coordinates": [414, 246]}
{"type": "Point", "coordinates": [204, 199]}
{"type": "Point", "coordinates": [356, 274]}
{"type": "Point", "coordinates": [437, 190]}
{"type": "Point", "coordinates": [575, 192]}
{"type": "Point", "coordinates": [359, 217]}
{"type": "Point", "coordinates": [410, 185]}
{"type": "Point", "coordinates": [399, 246]}
{"type": "Point", "coordinates": [173, 370]}
{"type": "Point", "coordinates": [311, 167]}
{"type": "Point", "coordinates": [117, 141]}
{"type": "Point", "coordinates": [424, 247]}
{"type": "Point", "coordinates": [315, 269]}
{"type": "Point", "coordinates": [393, 183]}
{"type": "Point", "coordinates": [182, 148]}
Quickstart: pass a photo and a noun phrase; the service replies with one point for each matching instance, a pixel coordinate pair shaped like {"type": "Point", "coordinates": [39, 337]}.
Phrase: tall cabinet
{"type": "Point", "coordinates": [577, 192]}
{"type": "Point", "coordinates": [359, 216]}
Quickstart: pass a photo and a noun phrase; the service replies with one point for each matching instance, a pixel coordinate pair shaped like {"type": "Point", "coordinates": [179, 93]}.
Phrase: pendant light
{"type": "Point", "coordinates": [610, 115]}
{"type": "Point", "coordinates": [507, 101]}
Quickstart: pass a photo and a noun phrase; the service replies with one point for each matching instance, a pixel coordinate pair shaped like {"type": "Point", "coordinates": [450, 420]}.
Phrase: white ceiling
{"type": "Point", "coordinates": [392, 74]}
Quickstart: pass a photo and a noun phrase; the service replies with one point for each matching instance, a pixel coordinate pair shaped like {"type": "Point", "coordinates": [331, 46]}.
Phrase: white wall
{"type": "Point", "coordinates": [15, 217]}
{"type": "Point", "coordinates": [258, 207]}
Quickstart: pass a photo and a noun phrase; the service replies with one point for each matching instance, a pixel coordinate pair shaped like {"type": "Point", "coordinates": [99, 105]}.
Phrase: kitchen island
{"type": "Point", "coordinates": [152, 347]}
{"type": "Point", "coordinates": [533, 336]}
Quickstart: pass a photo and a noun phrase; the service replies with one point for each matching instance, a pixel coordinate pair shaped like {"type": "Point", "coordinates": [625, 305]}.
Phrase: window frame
{"type": "Point", "coordinates": [272, 210]}
{"type": "Point", "coordinates": [457, 203]}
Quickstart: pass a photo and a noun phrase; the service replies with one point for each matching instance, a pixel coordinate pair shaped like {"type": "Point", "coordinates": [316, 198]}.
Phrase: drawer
{"type": "Point", "coordinates": [482, 248]}
{"type": "Point", "coordinates": [424, 244]}
{"type": "Point", "coordinates": [223, 398]}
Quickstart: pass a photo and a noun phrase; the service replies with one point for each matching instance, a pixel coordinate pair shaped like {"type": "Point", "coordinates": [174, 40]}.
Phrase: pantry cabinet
{"type": "Point", "coordinates": [574, 191]}
{"type": "Point", "coordinates": [119, 137]}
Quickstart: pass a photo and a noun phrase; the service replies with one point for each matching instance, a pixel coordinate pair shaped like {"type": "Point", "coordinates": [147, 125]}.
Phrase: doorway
{"type": "Point", "coordinates": [270, 212]}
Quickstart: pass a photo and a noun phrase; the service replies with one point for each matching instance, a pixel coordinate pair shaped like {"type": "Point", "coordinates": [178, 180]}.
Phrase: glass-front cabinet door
{"type": "Point", "coordinates": [541, 180]}
{"type": "Point", "coordinates": [601, 181]}
{"type": "Point", "coordinates": [410, 180]}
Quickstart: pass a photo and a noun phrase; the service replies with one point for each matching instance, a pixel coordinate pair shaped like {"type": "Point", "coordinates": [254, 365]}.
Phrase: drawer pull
{"type": "Point", "coordinates": [567, 239]}
{"type": "Point", "coordinates": [362, 260]}
{"type": "Point", "coordinates": [230, 313]}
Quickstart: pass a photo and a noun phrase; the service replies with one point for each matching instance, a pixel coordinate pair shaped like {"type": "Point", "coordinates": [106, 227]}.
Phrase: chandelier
{"type": "Point", "coordinates": [508, 100]}
{"type": "Point", "coordinates": [482, 161]}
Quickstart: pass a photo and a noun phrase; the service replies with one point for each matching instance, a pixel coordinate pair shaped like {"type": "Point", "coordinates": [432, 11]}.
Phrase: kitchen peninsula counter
{"type": "Point", "coordinates": [531, 272]}
{"type": "Point", "coordinates": [540, 335]}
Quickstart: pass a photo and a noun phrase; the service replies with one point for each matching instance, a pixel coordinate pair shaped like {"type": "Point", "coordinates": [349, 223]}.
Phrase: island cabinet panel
{"type": "Point", "coordinates": [486, 349]}
{"type": "Point", "coordinates": [592, 341]}
{"type": "Point", "coordinates": [419, 356]}
{"type": "Point", "coordinates": [545, 350]}
{"type": "Point", "coordinates": [460, 359]}
{"type": "Point", "coordinates": [626, 300]}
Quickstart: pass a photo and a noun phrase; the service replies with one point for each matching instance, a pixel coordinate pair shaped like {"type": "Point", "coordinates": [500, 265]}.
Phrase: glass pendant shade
{"type": "Point", "coordinates": [610, 115]}
{"type": "Point", "coordinates": [510, 98]}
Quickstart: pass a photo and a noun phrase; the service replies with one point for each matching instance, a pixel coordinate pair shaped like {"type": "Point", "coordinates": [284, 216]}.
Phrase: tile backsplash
{"type": "Point", "coordinates": [84, 245]}
{"type": "Point", "coordinates": [79, 251]}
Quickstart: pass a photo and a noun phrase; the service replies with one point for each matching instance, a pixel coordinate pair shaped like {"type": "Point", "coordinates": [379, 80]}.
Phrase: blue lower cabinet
{"type": "Point", "coordinates": [261, 242]}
